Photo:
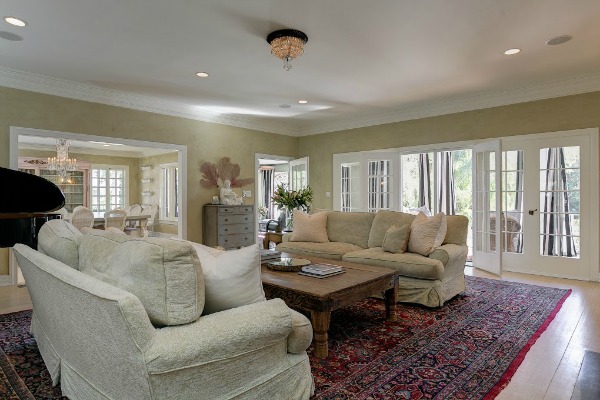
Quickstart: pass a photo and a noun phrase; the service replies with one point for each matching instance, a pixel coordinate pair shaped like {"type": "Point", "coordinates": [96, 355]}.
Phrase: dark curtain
{"type": "Point", "coordinates": [266, 176]}
{"type": "Point", "coordinates": [446, 201]}
{"type": "Point", "coordinates": [556, 228]}
{"type": "Point", "coordinates": [424, 181]}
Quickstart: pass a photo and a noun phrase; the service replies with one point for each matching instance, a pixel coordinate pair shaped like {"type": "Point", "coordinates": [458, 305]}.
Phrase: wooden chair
{"type": "Point", "coordinates": [82, 218]}
{"type": "Point", "coordinates": [115, 219]}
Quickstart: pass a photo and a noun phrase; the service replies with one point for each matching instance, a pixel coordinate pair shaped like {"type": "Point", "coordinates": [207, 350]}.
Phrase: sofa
{"type": "Point", "coordinates": [117, 317]}
{"type": "Point", "coordinates": [358, 237]}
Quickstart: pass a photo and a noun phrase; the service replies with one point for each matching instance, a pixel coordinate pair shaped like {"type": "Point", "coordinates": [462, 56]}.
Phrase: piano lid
{"type": "Point", "coordinates": [26, 193]}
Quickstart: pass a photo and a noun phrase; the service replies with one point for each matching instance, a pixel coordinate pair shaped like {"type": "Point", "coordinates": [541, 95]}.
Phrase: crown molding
{"type": "Point", "coordinates": [547, 90]}
{"type": "Point", "coordinates": [80, 91]}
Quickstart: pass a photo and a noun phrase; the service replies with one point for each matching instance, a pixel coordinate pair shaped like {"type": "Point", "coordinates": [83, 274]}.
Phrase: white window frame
{"type": "Point", "coordinates": [174, 201]}
{"type": "Point", "coordinates": [107, 167]}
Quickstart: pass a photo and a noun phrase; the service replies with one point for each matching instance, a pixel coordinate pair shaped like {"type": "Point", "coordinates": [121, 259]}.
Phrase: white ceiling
{"type": "Point", "coordinates": [365, 63]}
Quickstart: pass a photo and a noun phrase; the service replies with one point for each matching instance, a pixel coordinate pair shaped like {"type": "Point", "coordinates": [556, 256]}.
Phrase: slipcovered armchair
{"type": "Point", "coordinates": [101, 341]}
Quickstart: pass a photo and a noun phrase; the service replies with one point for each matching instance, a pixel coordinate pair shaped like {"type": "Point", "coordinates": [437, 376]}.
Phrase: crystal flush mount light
{"type": "Point", "coordinates": [287, 44]}
{"type": "Point", "coordinates": [62, 163]}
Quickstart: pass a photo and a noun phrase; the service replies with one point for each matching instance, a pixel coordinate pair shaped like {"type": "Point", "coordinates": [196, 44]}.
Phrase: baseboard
{"type": "Point", "coordinates": [5, 280]}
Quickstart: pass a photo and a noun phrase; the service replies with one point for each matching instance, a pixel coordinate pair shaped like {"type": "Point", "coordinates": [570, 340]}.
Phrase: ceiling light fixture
{"type": "Point", "coordinates": [302, 101]}
{"type": "Point", "coordinates": [287, 44]}
{"type": "Point", "coordinates": [202, 74]}
{"type": "Point", "coordinates": [15, 21]}
{"type": "Point", "coordinates": [558, 40]}
{"type": "Point", "coordinates": [62, 163]}
{"type": "Point", "coordinates": [510, 52]}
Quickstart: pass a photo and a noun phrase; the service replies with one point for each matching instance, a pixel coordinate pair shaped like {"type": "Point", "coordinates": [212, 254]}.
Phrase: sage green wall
{"type": "Point", "coordinates": [131, 162]}
{"type": "Point", "coordinates": [205, 141]}
{"type": "Point", "coordinates": [558, 114]}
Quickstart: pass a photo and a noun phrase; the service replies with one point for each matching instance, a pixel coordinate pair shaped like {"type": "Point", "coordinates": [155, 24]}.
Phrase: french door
{"type": "Point", "coordinates": [486, 206]}
{"type": "Point", "coordinates": [549, 219]}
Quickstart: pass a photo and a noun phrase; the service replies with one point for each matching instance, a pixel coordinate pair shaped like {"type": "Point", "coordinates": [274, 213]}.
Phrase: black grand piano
{"type": "Point", "coordinates": [26, 203]}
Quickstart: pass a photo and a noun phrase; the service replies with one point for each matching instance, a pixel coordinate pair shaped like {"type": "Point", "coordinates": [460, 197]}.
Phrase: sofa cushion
{"type": "Point", "coordinates": [427, 233]}
{"type": "Point", "coordinates": [330, 250]}
{"type": "Point", "coordinates": [231, 278]}
{"type": "Point", "coordinates": [409, 264]}
{"type": "Point", "coordinates": [350, 227]}
{"type": "Point", "coordinates": [383, 221]}
{"type": "Point", "coordinates": [457, 231]}
{"type": "Point", "coordinates": [164, 274]}
{"type": "Point", "coordinates": [396, 239]}
{"type": "Point", "coordinates": [60, 240]}
{"type": "Point", "coordinates": [310, 227]}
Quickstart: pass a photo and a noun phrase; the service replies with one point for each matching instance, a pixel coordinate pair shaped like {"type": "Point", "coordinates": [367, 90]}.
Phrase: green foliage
{"type": "Point", "coordinates": [288, 199]}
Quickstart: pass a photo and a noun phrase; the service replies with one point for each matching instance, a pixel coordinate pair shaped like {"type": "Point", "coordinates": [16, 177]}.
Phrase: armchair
{"type": "Point", "coordinates": [97, 339]}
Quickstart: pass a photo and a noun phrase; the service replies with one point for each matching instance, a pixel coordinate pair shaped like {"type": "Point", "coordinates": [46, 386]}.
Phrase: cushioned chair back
{"type": "Point", "coordinates": [349, 227]}
{"type": "Point", "coordinates": [135, 209]}
{"type": "Point", "coordinates": [115, 219]}
{"type": "Point", "coordinates": [82, 218]}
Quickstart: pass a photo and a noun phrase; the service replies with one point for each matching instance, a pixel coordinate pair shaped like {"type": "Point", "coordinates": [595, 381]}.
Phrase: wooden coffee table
{"type": "Point", "coordinates": [321, 296]}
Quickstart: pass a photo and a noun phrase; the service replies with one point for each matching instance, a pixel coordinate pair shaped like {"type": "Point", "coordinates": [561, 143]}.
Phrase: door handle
{"type": "Point", "coordinates": [531, 212]}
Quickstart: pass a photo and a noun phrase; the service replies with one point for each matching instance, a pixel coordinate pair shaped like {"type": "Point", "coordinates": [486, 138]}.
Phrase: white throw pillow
{"type": "Point", "coordinates": [231, 278]}
{"type": "Point", "coordinates": [427, 233]}
{"type": "Point", "coordinates": [310, 227]}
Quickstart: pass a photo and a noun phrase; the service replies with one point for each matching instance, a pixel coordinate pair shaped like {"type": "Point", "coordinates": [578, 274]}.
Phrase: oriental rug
{"type": "Point", "coordinates": [467, 349]}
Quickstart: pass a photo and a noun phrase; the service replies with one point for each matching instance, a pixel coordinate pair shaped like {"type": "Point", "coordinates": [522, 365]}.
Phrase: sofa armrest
{"type": "Point", "coordinates": [448, 253]}
{"type": "Point", "coordinates": [220, 336]}
{"type": "Point", "coordinates": [302, 333]}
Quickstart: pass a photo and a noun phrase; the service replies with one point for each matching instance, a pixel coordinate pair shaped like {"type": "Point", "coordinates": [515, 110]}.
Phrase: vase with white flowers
{"type": "Point", "coordinates": [290, 200]}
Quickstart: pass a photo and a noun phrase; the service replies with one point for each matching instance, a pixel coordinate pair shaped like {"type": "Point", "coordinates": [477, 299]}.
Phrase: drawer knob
{"type": "Point", "coordinates": [246, 228]}
{"type": "Point", "coordinates": [226, 220]}
{"type": "Point", "coordinates": [226, 229]}
{"type": "Point", "coordinates": [226, 240]}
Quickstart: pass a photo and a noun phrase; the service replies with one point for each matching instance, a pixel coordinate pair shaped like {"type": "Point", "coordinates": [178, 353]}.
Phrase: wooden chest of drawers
{"type": "Point", "coordinates": [229, 226]}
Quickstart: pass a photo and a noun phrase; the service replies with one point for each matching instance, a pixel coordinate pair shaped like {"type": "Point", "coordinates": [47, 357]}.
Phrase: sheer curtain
{"type": "Point", "coordinates": [556, 224]}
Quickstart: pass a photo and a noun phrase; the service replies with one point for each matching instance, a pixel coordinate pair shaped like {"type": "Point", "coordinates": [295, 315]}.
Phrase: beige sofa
{"type": "Point", "coordinates": [358, 237]}
{"type": "Point", "coordinates": [97, 339]}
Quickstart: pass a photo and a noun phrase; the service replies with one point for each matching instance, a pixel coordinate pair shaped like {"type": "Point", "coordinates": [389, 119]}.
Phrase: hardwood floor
{"type": "Point", "coordinates": [551, 367]}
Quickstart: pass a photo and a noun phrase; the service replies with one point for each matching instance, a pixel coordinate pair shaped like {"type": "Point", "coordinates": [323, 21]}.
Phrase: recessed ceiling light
{"type": "Point", "coordinates": [558, 40]}
{"type": "Point", "coordinates": [15, 21]}
{"type": "Point", "coordinates": [284, 106]}
{"type": "Point", "coordinates": [106, 145]}
{"type": "Point", "coordinates": [202, 74]}
{"type": "Point", "coordinates": [302, 101]}
{"type": "Point", "coordinates": [510, 52]}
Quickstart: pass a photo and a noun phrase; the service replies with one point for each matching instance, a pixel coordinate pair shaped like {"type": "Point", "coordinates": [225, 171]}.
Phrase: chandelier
{"type": "Point", "coordinates": [62, 163]}
{"type": "Point", "coordinates": [287, 44]}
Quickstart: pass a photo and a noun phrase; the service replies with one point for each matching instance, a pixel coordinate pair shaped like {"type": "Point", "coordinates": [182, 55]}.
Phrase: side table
{"type": "Point", "coordinates": [275, 237]}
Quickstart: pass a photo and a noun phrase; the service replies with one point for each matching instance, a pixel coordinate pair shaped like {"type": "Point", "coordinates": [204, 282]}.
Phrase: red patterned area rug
{"type": "Point", "coordinates": [468, 349]}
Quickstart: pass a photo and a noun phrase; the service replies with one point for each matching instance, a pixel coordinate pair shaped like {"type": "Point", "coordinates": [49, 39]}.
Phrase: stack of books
{"type": "Point", "coordinates": [321, 270]}
{"type": "Point", "coordinates": [269, 255]}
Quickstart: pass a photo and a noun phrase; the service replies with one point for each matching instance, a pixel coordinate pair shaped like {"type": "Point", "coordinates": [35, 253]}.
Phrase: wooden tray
{"type": "Point", "coordinates": [288, 264]}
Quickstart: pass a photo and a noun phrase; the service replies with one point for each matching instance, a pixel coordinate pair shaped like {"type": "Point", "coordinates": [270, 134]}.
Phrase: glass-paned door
{"type": "Point", "coordinates": [553, 228]}
{"type": "Point", "coordinates": [350, 191]}
{"type": "Point", "coordinates": [382, 180]}
{"type": "Point", "coordinates": [486, 206]}
{"type": "Point", "coordinates": [299, 173]}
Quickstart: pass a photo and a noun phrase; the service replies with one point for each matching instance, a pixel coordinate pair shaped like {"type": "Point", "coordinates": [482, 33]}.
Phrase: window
{"type": "Point", "coordinates": [379, 185]}
{"type": "Point", "coordinates": [169, 192]}
{"type": "Point", "coordinates": [108, 187]}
